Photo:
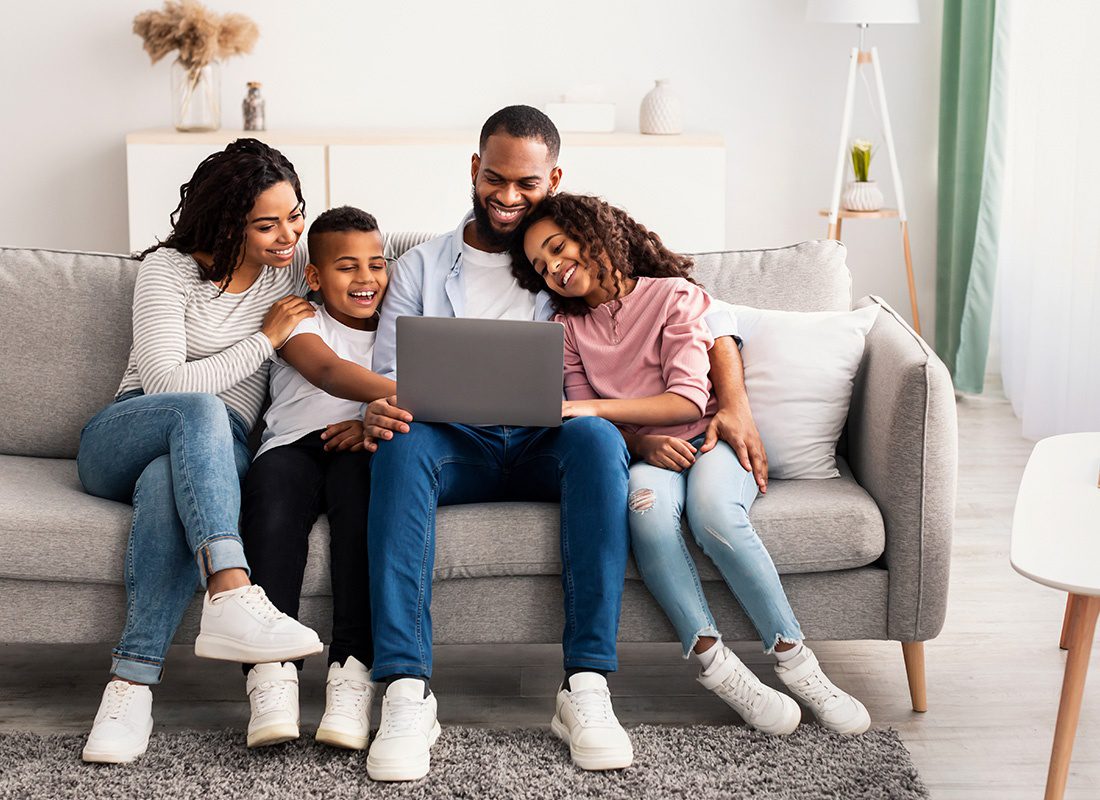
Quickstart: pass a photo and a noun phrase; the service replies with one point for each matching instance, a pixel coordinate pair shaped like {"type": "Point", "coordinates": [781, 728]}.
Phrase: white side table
{"type": "Point", "coordinates": [1056, 542]}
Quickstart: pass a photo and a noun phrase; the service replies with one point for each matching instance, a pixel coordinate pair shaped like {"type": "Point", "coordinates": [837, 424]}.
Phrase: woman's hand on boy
{"type": "Point", "coordinates": [283, 317]}
{"type": "Point", "coordinates": [346, 435]}
{"type": "Point", "coordinates": [669, 452]}
{"type": "Point", "coordinates": [382, 419]}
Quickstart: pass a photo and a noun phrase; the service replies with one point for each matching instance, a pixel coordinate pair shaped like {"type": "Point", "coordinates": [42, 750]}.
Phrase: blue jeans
{"type": "Point", "coordinates": [716, 492]}
{"type": "Point", "coordinates": [178, 458]}
{"type": "Point", "coordinates": [583, 464]}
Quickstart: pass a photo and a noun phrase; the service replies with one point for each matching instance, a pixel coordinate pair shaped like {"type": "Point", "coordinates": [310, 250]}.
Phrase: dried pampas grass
{"type": "Point", "coordinates": [197, 33]}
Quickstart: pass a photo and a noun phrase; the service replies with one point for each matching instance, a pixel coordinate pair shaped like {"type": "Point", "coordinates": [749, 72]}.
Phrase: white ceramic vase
{"type": "Point", "coordinates": [660, 111]}
{"type": "Point", "coordinates": [862, 196]}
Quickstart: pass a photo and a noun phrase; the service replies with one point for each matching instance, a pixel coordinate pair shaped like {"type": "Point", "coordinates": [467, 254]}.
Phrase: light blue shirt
{"type": "Point", "coordinates": [427, 282]}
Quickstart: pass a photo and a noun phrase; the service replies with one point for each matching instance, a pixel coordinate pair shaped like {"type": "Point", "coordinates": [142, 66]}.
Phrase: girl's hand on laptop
{"type": "Point", "coordinates": [669, 452]}
{"type": "Point", "coordinates": [382, 419]}
{"type": "Point", "coordinates": [578, 408]}
{"type": "Point", "coordinates": [346, 435]}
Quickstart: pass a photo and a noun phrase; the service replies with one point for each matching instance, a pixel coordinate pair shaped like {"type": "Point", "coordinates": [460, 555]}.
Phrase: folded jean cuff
{"type": "Point", "coordinates": [380, 671]}
{"type": "Point", "coordinates": [137, 668]}
{"type": "Point", "coordinates": [218, 552]}
{"type": "Point", "coordinates": [591, 662]}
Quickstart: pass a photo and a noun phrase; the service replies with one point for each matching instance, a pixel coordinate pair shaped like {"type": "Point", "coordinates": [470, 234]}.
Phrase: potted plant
{"type": "Point", "coordinates": [200, 38]}
{"type": "Point", "coordinates": [862, 194]}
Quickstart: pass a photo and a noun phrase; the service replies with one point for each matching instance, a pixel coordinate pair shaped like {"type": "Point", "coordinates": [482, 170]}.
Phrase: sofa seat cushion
{"type": "Point", "coordinates": [51, 530]}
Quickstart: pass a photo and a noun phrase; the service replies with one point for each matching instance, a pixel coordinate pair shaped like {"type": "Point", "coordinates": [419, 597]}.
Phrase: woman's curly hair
{"type": "Point", "coordinates": [607, 236]}
{"type": "Point", "coordinates": [213, 210]}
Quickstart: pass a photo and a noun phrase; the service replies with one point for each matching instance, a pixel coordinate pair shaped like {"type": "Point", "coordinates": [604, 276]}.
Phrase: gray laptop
{"type": "Point", "coordinates": [480, 371]}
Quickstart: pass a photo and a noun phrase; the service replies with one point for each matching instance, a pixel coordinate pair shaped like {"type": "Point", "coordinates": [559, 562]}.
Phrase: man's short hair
{"type": "Point", "coordinates": [340, 220]}
{"type": "Point", "coordinates": [523, 122]}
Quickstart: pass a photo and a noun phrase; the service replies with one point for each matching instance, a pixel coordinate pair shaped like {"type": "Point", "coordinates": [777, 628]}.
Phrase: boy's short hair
{"type": "Point", "coordinates": [339, 220]}
{"type": "Point", "coordinates": [523, 122]}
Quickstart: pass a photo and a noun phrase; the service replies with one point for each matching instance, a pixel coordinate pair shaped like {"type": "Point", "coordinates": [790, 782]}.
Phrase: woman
{"type": "Point", "coordinates": [636, 355]}
{"type": "Point", "coordinates": [211, 304]}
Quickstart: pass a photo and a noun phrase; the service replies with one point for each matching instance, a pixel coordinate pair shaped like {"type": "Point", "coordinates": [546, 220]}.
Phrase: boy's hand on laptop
{"type": "Point", "coordinates": [669, 452]}
{"type": "Point", "coordinates": [346, 435]}
{"type": "Point", "coordinates": [382, 419]}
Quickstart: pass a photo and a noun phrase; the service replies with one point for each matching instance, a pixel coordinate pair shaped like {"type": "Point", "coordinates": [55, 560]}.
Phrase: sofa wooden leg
{"type": "Point", "coordinates": [1063, 640]}
{"type": "Point", "coordinates": [913, 652]}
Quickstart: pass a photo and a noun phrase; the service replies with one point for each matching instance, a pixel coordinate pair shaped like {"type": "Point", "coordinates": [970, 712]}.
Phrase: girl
{"type": "Point", "coordinates": [636, 355]}
{"type": "Point", "coordinates": [211, 305]}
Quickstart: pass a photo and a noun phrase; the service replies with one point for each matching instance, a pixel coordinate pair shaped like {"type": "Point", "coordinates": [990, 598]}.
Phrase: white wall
{"type": "Point", "coordinates": [76, 80]}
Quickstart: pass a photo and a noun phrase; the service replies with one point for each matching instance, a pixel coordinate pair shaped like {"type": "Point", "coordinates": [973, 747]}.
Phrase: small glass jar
{"type": "Point", "coordinates": [196, 96]}
{"type": "Point", "coordinates": [253, 107]}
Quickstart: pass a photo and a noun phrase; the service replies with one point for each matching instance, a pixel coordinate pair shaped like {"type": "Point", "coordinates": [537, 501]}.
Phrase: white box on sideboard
{"type": "Point", "coordinates": [582, 117]}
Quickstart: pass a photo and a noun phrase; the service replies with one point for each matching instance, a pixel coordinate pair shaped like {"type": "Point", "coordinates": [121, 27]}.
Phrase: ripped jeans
{"type": "Point", "coordinates": [716, 494]}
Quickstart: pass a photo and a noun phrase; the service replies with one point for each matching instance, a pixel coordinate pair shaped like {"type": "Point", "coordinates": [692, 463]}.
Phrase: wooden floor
{"type": "Point", "coordinates": [993, 674]}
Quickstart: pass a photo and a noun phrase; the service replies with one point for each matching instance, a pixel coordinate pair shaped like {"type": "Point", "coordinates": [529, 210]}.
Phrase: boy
{"type": "Point", "coordinates": [310, 461]}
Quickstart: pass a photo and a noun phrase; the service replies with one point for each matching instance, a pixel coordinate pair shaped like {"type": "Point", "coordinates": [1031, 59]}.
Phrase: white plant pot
{"type": "Point", "coordinates": [862, 196]}
{"type": "Point", "coordinates": [660, 111]}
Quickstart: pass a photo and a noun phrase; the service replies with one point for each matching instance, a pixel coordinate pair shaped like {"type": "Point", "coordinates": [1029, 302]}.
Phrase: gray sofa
{"type": "Point", "coordinates": [863, 556]}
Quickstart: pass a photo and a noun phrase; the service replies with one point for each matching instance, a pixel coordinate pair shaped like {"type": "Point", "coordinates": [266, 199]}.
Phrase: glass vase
{"type": "Point", "coordinates": [197, 96]}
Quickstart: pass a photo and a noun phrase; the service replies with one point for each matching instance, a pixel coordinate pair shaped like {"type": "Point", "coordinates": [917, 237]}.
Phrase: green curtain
{"type": "Point", "coordinates": [968, 27]}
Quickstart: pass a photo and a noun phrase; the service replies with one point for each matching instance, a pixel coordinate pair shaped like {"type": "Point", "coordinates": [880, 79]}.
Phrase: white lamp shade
{"type": "Point", "coordinates": [855, 12]}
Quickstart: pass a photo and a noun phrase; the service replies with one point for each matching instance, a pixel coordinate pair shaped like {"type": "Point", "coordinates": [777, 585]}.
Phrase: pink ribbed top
{"type": "Point", "coordinates": [656, 341]}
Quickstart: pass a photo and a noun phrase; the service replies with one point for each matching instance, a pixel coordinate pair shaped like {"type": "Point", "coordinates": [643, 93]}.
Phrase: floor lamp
{"type": "Point", "coordinates": [863, 13]}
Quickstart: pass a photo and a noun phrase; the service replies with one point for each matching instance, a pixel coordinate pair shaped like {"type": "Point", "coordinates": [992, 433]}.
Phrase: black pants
{"type": "Point", "coordinates": [284, 492]}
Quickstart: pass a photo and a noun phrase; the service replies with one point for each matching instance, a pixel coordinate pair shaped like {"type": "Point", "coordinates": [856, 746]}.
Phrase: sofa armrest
{"type": "Point", "coordinates": [903, 449]}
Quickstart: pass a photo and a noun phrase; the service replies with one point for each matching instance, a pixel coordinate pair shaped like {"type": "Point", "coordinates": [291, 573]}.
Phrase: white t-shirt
{"type": "Point", "coordinates": [492, 292]}
{"type": "Point", "coordinates": [297, 406]}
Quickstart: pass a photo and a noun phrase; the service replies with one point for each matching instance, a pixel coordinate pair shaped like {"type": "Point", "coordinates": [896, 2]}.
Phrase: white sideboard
{"type": "Point", "coordinates": [420, 180]}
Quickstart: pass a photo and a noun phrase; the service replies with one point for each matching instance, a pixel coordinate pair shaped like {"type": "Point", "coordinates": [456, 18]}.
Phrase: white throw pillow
{"type": "Point", "coordinates": [799, 371]}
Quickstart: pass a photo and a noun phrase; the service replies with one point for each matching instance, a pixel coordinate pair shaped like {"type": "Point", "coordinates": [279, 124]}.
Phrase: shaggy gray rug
{"type": "Point", "coordinates": [685, 762]}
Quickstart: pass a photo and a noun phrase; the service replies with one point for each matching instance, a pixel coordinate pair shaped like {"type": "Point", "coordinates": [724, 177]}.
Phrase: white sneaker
{"type": "Point", "coordinates": [122, 725]}
{"type": "Point", "coordinates": [401, 750]}
{"type": "Point", "coordinates": [761, 706]}
{"type": "Point", "coordinates": [348, 696]}
{"type": "Point", "coordinates": [273, 696]}
{"type": "Point", "coordinates": [243, 625]}
{"type": "Point", "coordinates": [586, 722]}
{"type": "Point", "coordinates": [835, 709]}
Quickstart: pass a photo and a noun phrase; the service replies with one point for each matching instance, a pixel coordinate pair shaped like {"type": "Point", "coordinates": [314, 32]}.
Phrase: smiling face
{"type": "Point", "coordinates": [349, 270]}
{"type": "Point", "coordinates": [511, 176]}
{"type": "Point", "coordinates": [559, 261]}
{"type": "Point", "coordinates": [273, 227]}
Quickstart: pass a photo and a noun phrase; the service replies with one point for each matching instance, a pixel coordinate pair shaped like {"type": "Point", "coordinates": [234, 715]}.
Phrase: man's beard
{"type": "Point", "coordinates": [501, 242]}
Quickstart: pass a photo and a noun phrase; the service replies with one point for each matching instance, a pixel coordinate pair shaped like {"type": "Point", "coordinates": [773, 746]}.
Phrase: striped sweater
{"type": "Point", "coordinates": [188, 338]}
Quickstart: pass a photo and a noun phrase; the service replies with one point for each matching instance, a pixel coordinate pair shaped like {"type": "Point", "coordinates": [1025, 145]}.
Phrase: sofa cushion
{"type": "Point", "coordinates": [809, 276]}
{"type": "Point", "coordinates": [51, 530]}
{"type": "Point", "coordinates": [66, 338]}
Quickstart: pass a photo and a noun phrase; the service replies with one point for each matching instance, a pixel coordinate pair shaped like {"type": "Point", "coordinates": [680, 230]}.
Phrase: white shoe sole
{"type": "Point", "coordinates": [592, 760]}
{"type": "Point", "coordinates": [405, 770]}
{"type": "Point", "coordinates": [273, 734]}
{"type": "Point", "coordinates": [223, 648]}
{"type": "Point", "coordinates": [859, 725]}
{"type": "Point", "coordinates": [342, 739]}
{"type": "Point", "coordinates": [92, 757]}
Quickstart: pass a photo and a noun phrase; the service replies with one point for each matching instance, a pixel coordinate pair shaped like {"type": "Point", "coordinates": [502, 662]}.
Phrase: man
{"type": "Point", "coordinates": [583, 463]}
